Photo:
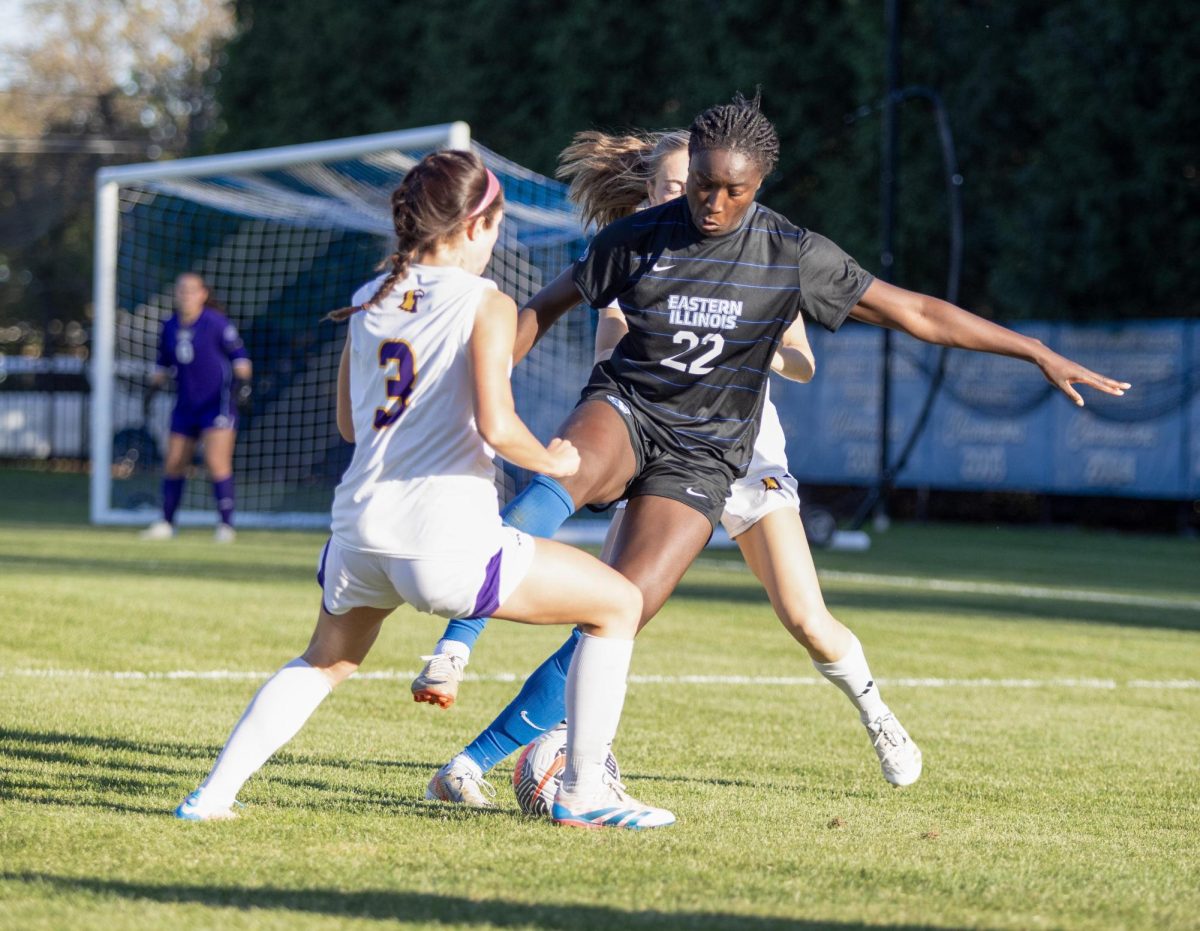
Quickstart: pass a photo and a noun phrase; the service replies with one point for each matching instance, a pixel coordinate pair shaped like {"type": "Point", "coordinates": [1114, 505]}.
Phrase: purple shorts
{"type": "Point", "coordinates": [191, 422]}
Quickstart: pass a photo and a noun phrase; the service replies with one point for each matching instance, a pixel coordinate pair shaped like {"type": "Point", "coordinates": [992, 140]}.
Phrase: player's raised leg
{"type": "Point", "coordinates": [639, 554]}
{"type": "Point", "coordinates": [654, 568]}
{"type": "Point", "coordinates": [279, 709]}
{"type": "Point", "coordinates": [777, 551]}
{"type": "Point", "coordinates": [608, 462]}
{"type": "Point", "coordinates": [596, 679]}
{"type": "Point", "coordinates": [539, 510]}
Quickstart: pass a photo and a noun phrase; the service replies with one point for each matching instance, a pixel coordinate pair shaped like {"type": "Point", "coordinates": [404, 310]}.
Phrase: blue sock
{"type": "Point", "coordinates": [539, 706]}
{"type": "Point", "coordinates": [539, 511]}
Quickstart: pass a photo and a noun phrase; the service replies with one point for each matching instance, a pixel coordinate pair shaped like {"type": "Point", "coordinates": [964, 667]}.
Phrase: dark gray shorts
{"type": "Point", "coordinates": [700, 481]}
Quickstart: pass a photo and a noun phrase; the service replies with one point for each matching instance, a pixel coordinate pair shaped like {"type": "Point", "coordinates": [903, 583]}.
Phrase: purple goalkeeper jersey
{"type": "Point", "coordinates": [202, 355]}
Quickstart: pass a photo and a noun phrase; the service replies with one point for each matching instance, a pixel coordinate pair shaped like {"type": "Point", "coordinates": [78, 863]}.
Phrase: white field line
{"type": "Point", "coordinates": [406, 675]}
{"type": "Point", "coordinates": [1006, 589]}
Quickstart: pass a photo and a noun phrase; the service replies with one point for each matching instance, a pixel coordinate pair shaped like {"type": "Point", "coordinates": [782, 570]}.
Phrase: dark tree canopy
{"type": "Point", "coordinates": [1075, 121]}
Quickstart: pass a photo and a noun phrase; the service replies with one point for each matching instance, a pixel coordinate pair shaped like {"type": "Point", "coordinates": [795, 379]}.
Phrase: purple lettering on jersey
{"type": "Point", "coordinates": [399, 385]}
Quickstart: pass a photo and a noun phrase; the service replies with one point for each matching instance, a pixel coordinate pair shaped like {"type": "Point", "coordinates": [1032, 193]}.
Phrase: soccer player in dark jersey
{"type": "Point", "coordinates": [212, 377]}
{"type": "Point", "coordinates": [709, 284]}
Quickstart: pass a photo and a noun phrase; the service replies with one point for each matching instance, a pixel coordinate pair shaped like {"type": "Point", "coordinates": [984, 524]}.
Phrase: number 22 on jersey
{"type": "Point", "coordinates": [400, 365]}
{"type": "Point", "coordinates": [697, 366]}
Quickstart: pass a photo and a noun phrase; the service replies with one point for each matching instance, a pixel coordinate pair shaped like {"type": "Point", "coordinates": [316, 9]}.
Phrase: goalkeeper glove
{"type": "Point", "coordinates": [242, 395]}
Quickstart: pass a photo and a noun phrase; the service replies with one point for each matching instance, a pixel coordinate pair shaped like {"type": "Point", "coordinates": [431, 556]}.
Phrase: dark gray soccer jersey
{"type": "Point", "coordinates": [705, 316]}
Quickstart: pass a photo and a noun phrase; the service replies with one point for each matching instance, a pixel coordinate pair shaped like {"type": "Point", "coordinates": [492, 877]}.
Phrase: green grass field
{"type": "Point", "coordinates": [1067, 799]}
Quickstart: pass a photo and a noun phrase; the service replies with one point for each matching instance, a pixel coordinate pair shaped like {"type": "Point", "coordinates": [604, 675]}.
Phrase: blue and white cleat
{"type": "Point", "coordinates": [193, 808]}
{"type": "Point", "coordinates": [611, 808]}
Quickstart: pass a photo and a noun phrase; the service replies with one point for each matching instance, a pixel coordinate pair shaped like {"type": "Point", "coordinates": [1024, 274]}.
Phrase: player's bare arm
{"type": "Point", "coordinates": [794, 357]}
{"type": "Point", "coordinates": [495, 411]}
{"type": "Point", "coordinates": [937, 321]}
{"type": "Point", "coordinates": [543, 311]}
{"type": "Point", "coordinates": [611, 327]}
{"type": "Point", "coordinates": [345, 412]}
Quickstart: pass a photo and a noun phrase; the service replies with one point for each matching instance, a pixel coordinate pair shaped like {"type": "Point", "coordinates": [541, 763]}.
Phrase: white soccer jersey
{"type": "Point", "coordinates": [421, 483]}
{"type": "Point", "coordinates": [770, 447]}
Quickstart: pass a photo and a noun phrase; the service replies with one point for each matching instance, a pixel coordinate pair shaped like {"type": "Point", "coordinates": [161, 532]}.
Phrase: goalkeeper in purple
{"type": "Point", "coordinates": [212, 373]}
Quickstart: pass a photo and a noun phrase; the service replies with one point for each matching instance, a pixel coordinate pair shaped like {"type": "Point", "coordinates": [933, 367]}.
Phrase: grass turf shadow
{"type": "Point", "coordinates": [423, 908]}
{"type": "Point", "coordinates": [135, 776]}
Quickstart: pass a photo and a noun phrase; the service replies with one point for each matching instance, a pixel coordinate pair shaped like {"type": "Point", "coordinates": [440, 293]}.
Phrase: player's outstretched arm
{"type": "Point", "coordinates": [495, 411]}
{"type": "Point", "coordinates": [543, 311]}
{"type": "Point", "coordinates": [937, 321]}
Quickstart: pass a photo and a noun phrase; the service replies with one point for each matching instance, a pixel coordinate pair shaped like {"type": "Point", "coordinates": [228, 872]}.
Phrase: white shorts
{"type": "Point", "coordinates": [754, 497]}
{"type": "Point", "coordinates": [450, 587]}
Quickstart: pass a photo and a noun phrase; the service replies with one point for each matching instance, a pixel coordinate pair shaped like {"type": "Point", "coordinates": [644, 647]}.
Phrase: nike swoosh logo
{"type": "Point", "coordinates": [699, 494]}
{"type": "Point", "coordinates": [525, 718]}
{"type": "Point", "coordinates": [660, 268]}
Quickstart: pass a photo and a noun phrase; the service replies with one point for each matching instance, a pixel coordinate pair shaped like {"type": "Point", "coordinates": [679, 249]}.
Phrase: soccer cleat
{"type": "Point", "coordinates": [461, 782]}
{"type": "Point", "coordinates": [613, 807]}
{"type": "Point", "coordinates": [159, 530]}
{"type": "Point", "coordinates": [193, 808]}
{"type": "Point", "coordinates": [437, 682]}
{"type": "Point", "coordinates": [224, 533]}
{"type": "Point", "coordinates": [899, 755]}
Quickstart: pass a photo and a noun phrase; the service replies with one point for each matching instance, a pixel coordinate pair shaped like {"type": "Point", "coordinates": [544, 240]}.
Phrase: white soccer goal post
{"type": "Point", "coordinates": [282, 236]}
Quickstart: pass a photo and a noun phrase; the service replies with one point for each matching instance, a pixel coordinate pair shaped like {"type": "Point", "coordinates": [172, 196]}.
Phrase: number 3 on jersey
{"type": "Point", "coordinates": [400, 381]}
{"type": "Point", "coordinates": [699, 365]}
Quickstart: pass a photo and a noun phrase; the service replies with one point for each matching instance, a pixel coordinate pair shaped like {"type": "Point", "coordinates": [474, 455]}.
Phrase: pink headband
{"type": "Point", "coordinates": [489, 195]}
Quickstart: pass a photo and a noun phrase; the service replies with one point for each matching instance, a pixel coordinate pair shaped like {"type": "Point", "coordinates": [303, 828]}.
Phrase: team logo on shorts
{"type": "Point", "coordinates": [771, 483]}
{"type": "Point", "coordinates": [408, 303]}
{"type": "Point", "coordinates": [221, 422]}
{"type": "Point", "coordinates": [618, 404]}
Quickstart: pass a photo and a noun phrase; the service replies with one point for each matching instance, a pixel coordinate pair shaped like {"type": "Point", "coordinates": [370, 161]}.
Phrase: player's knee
{"type": "Point", "coordinates": [626, 612]}
{"type": "Point", "coordinates": [336, 672]}
{"type": "Point", "coordinates": [807, 620]}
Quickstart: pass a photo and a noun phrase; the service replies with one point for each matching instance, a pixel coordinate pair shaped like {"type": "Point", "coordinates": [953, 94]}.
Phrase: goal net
{"type": "Point", "coordinates": [282, 236]}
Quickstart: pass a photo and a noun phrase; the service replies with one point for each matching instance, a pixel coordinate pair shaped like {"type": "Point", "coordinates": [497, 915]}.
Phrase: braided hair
{"type": "Point", "coordinates": [432, 203]}
{"type": "Point", "coordinates": [609, 176]}
{"type": "Point", "coordinates": [739, 127]}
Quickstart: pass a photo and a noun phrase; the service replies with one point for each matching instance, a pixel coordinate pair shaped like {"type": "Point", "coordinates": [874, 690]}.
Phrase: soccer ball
{"type": "Point", "coordinates": [539, 771]}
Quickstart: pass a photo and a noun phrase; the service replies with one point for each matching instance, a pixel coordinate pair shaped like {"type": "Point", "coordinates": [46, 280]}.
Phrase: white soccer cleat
{"type": "Point", "coordinates": [224, 533]}
{"type": "Point", "coordinates": [613, 807]}
{"type": "Point", "coordinates": [461, 782]}
{"type": "Point", "coordinates": [194, 808]}
{"type": "Point", "coordinates": [899, 755]}
{"type": "Point", "coordinates": [437, 682]}
{"type": "Point", "coordinates": [159, 530]}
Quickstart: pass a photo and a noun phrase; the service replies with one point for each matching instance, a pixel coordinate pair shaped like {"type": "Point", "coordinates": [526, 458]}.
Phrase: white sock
{"type": "Point", "coordinates": [595, 697]}
{"type": "Point", "coordinates": [454, 648]}
{"type": "Point", "coordinates": [272, 718]}
{"type": "Point", "coordinates": [852, 675]}
{"type": "Point", "coordinates": [464, 760]}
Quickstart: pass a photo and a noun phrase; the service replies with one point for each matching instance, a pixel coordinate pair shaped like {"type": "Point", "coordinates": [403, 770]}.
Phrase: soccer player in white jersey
{"type": "Point", "coordinates": [611, 176]}
{"type": "Point", "coordinates": [424, 392]}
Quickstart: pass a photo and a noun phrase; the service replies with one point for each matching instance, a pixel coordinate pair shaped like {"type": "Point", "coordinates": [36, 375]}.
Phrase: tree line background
{"type": "Point", "coordinates": [1075, 122]}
